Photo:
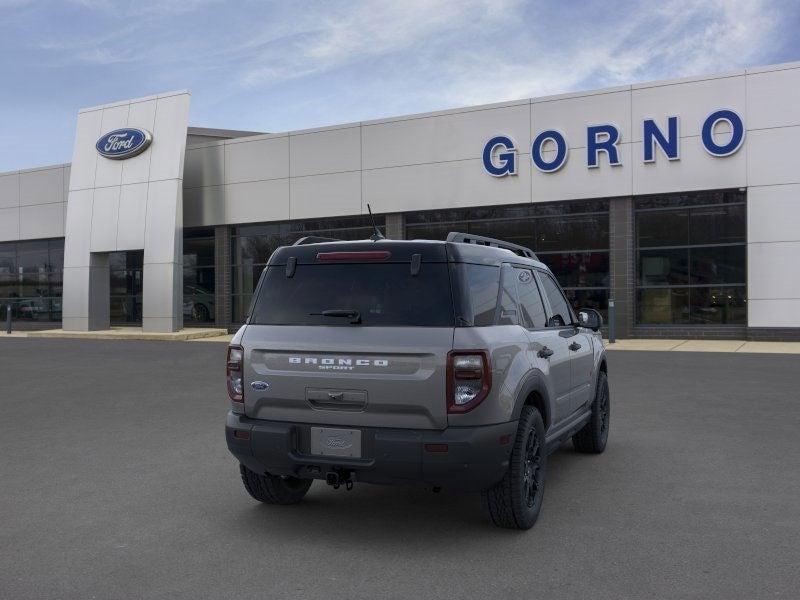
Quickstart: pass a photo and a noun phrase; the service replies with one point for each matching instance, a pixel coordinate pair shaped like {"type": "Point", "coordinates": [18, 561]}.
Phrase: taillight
{"type": "Point", "coordinates": [235, 373]}
{"type": "Point", "coordinates": [469, 379]}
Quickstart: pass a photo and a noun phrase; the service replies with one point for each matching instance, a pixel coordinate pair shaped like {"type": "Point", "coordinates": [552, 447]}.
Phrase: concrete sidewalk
{"type": "Point", "coordinates": [222, 336]}
{"type": "Point", "coordinates": [706, 346]}
{"type": "Point", "coordinates": [123, 333]}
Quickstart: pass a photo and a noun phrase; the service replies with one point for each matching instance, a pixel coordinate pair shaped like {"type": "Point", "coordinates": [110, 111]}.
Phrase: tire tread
{"type": "Point", "coordinates": [270, 489]}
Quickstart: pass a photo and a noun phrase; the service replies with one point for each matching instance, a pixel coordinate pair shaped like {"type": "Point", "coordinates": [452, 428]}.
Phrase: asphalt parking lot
{"type": "Point", "coordinates": [115, 482]}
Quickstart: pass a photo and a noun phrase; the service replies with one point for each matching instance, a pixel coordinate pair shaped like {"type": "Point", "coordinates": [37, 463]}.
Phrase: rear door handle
{"type": "Point", "coordinates": [545, 352]}
{"type": "Point", "coordinates": [574, 346]}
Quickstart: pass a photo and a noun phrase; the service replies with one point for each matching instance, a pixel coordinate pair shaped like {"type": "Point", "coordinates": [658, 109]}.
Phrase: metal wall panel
{"type": "Point", "coordinates": [103, 215]}
{"type": "Point", "coordinates": [44, 186]}
{"type": "Point", "coordinates": [205, 166]}
{"type": "Point", "coordinates": [41, 221]}
{"type": "Point", "coordinates": [572, 113]}
{"type": "Point", "coordinates": [326, 151]}
{"type": "Point", "coordinates": [575, 180]}
{"type": "Point", "coordinates": [447, 137]}
{"type": "Point", "coordinates": [132, 212]}
{"type": "Point", "coordinates": [9, 224]}
{"type": "Point", "coordinates": [9, 190]}
{"type": "Point", "coordinates": [773, 156]}
{"type": "Point", "coordinates": [203, 205]}
{"type": "Point", "coordinates": [442, 185]}
{"type": "Point", "coordinates": [109, 172]}
{"type": "Point", "coordinates": [257, 201]}
{"type": "Point", "coordinates": [84, 156]}
{"type": "Point", "coordinates": [773, 99]}
{"type": "Point", "coordinates": [697, 170]}
{"type": "Point", "coordinates": [691, 100]}
{"type": "Point", "coordinates": [142, 115]}
{"type": "Point", "coordinates": [105, 219]}
{"type": "Point", "coordinates": [258, 160]}
{"type": "Point", "coordinates": [325, 195]}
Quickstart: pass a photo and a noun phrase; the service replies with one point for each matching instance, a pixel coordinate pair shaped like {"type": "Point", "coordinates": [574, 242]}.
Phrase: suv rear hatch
{"type": "Point", "coordinates": [351, 334]}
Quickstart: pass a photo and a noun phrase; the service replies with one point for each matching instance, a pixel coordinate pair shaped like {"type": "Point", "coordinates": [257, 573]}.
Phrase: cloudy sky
{"type": "Point", "coordinates": [276, 66]}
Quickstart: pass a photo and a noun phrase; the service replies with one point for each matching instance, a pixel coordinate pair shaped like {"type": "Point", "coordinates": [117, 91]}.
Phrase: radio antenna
{"type": "Point", "coordinates": [377, 236]}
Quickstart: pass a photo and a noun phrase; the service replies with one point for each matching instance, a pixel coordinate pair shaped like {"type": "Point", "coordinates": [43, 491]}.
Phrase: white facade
{"type": "Point", "coordinates": [421, 162]}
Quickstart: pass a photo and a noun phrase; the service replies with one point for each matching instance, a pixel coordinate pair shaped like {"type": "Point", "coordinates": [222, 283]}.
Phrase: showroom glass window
{"type": "Point", "coordinates": [569, 237]}
{"type": "Point", "coordinates": [252, 245]}
{"type": "Point", "coordinates": [31, 276]}
{"type": "Point", "coordinates": [198, 276]}
{"type": "Point", "coordinates": [125, 269]}
{"type": "Point", "coordinates": [691, 259]}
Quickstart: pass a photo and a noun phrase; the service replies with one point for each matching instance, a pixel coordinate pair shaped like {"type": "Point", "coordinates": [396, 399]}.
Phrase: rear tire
{"type": "Point", "coordinates": [271, 489]}
{"type": "Point", "coordinates": [593, 437]}
{"type": "Point", "coordinates": [515, 502]}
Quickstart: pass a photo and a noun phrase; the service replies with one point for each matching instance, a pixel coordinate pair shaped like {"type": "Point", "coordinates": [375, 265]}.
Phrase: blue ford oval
{"type": "Point", "coordinates": [123, 143]}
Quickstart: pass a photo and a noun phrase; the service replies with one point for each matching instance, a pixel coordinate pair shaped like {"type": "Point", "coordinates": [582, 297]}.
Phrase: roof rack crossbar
{"type": "Point", "coordinates": [479, 240]}
{"type": "Point", "coordinates": [313, 239]}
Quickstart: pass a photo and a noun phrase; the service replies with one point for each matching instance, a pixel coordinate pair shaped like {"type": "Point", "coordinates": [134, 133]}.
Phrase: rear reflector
{"type": "Point", "coordinates": [435, 447]}
{"type": "Point", "coordinates": [240, 434]}
{"type": "Point", "coordinates": [367, 255]}
{"type": "Point", "coordinates": [505, 439]}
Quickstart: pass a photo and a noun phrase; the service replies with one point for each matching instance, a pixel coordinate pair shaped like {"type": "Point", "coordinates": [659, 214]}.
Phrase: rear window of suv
{"type": "Point", "coordinates": [384, 294]}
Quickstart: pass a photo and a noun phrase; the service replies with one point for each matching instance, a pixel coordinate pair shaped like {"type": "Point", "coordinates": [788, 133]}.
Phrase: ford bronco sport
{"type": "Point", "coordinates": [455, 364]}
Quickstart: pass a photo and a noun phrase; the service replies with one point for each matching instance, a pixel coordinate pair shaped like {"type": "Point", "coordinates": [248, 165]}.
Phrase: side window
{"type": "Point", "coordinates": [558, 304]}
{"type": "Point", "coordinates": [530, 301]}
{"type": "Point", "coordinates": [482, 285]}
{"type": "Point", "coordinates": [508, 297]}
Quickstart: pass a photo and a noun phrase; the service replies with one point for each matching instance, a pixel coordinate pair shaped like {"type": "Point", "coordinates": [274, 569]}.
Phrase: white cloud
{"type": "Point", "coordinates": [674, 40]}
{"type": "Point", "coordinates": [325, 39]}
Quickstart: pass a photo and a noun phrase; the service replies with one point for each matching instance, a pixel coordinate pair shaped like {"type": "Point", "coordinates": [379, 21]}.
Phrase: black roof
{"type": "Point", "coordinates": [401, 251]}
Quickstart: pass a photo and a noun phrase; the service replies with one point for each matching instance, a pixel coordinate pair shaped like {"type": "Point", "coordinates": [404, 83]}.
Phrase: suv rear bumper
{"type": "Point", "coordinates": [475, 459]}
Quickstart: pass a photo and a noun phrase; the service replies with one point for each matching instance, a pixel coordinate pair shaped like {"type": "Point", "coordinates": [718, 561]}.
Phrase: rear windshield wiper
{"type": "Point", "coordinates": [346, 313]}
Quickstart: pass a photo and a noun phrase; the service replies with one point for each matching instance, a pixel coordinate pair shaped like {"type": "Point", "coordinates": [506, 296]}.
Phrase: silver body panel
{"type": "Point", "coordinates": [397, 373]}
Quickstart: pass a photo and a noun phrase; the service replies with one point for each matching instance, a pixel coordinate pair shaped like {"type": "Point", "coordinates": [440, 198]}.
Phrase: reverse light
{"type": "Point", "coordinates": [469, 379]}
{"type": "Point", "coordinates": [234, 374]}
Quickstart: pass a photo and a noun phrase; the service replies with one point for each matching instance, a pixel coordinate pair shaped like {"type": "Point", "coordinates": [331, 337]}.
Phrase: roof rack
{"type": "Point", "coordinates": [313, 239]}
{"type": "Point", "coordinates": [479, 240]}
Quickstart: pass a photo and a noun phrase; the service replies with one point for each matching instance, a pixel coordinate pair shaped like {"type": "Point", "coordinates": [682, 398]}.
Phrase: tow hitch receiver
{"type": "Point", "coordinates": [340, 477]}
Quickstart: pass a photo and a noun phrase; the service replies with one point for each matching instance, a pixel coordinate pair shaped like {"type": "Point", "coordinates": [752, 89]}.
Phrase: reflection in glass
{"type": "Point", "coordinates": [572, 238]}
{"type": "Point", "coordinates": [701, 244]}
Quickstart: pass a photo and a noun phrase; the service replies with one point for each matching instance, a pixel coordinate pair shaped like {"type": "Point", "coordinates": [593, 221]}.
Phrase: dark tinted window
{"type": "Point", "coordinates": [663, 228]}
{"type": "Point", "coordinates": [252, 245]}
{"type": "Point", "coordinates": [579, 269]}
{"type": "Point", "coordinates": [30, 279]}
{"type": "Point", "coordinates": [718, 264]}
{"type": "Point", "coordinates": [383, 294]}
{"type": "Point", "coordinates": [664, 267]}
{"type": "Point", "coordinates": [718, 224]}
{"type": "Point", "coordinates": [479, 294]}
{"type": "Point", "coordinates": [508, 297]}
{"type": "Point", "coordinates": [558, 304]}
{"type": "Point", "coordinates": [566, 233]}
{"type": "Point", "coordinates": [572, 238]}
{"type": "Point", "coordinates": [530, 301]}
{"type": "Point", "coordinates": [692, 258]}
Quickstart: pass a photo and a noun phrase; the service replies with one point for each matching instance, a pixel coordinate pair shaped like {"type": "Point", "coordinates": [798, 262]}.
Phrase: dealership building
{"type": "Point", "coordinates": [677, 200]}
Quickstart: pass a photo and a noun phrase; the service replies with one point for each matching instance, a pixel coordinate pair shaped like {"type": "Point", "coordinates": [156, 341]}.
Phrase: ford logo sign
{"type": "Point", "coordinates": [123, 143]}
{"type": "Point", "coordinates": [259, 385]}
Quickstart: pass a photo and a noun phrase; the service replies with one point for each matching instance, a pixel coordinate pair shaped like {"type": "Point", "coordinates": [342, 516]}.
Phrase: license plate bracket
{"type": "Point", "coordinates": [329, 441]}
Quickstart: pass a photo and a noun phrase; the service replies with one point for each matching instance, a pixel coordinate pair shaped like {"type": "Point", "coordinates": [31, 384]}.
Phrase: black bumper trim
{"type": "Point", "coordinates": [476, 457]}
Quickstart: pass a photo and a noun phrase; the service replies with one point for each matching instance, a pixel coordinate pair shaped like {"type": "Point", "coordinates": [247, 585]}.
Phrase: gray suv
{"type": "Point", "coordinates": [455, 364]}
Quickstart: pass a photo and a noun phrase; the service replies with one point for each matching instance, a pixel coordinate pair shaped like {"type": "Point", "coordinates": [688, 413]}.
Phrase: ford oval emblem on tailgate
{"type": "Point", "coordinates": [259, 385]}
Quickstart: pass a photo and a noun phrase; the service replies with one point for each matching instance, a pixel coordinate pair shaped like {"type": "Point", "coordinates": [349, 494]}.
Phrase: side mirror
{"type": "Point", "coordinates": [590, 318]}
